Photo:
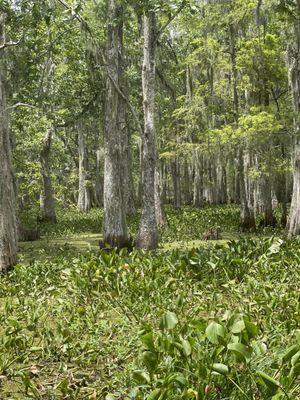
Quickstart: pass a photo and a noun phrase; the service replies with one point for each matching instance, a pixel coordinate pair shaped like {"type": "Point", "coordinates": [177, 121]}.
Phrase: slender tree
{"type": "Point", "coordinates": [294, 75]}
{"type": "Point", "coordinates": [114, 225]}
{"type": "Point", "coordinates": [8, 222]}
{"type": "Point", "coordinates": [48, 202]}
{"type": "Point", "coordinates": [147, 236]}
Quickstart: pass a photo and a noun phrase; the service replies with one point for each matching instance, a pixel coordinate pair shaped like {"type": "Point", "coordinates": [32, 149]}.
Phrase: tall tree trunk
{"type": "Point", "coordinates": [293, 225]}
{"type": "Point", "coordinates": [81, 169]}
{"type": "Point", "coordinates": [159, 207]}
{"type": "Point", "coordinates": [99, 178]}
{"type": "Point", "coordinates": [114, 223]}
{"type": "Point", "coordinates": [148, 237]}
{"type": "Point", "coordinates": [247, 220]}
{"type": "Point", "coordinates": [266, 198]}
{"type": "Point", "coordinates": [175, 170]}
{"type": "Point", "coordinates": [47, 196]}
{"type": "Point", "coordinates": [126, 159]}
{"type": "Point", "coordinates": [198, 180]}
{"type": "Point", "coordinates": [129, 191]}
{"type": "Point", "coordinates": [8, 221]}
{"type": "Point", "coordinates": [88, 195]}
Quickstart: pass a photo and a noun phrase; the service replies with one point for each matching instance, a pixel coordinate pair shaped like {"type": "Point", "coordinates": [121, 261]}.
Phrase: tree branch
{"type": "Point", "coordinates": [8, 44]}
{"type": "Point", "coordinates": [172, 17]}
{"type": "Point", "coordinates": [20, 105]}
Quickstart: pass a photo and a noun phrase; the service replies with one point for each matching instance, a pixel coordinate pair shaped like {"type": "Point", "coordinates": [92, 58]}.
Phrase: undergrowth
{"type": "Point", "coordinates": [206, 323]}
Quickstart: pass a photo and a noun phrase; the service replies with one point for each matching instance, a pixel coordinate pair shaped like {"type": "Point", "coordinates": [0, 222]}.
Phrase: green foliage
{"type": "Point", "coordinates": [209, 322]}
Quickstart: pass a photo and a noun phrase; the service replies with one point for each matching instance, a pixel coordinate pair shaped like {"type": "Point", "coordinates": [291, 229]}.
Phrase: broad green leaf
{"type": "Point", "coordinates": [181, 380]}
{"type": "Point", "coordinates": [169, 321]}
{"type": "Point", "coordinates": [141, 376]}
{"type": "Point", "coordinates": [295, 358]}
{"type": "Point", "coordinates": [154, 395]}
{"type": "Point", "coordinates": [178, 378]}
{"type": "Point", "coordinates": [241, 351]}
{"type": "Point", "coordinates": [214, 332]}
{"type": "Point", "coordinates": [251, 328]}
{"type": "Point", "coordinates": [110, 397]}
{"type": "Point", "coordinates": [290, 352]}
{"type": "Point", "coordinates": [150, 360]}
{"type": "Point", "coordinates": [238, 327]}
{"type": "Point", "coordinates": [269, 381]}
{"type": "Point", "coordinates": [295, 371]}
{"type": "Point", "coordinates": [186, 347]}
{"type": "Point", "coordinates": [220, 368]}
{"type": "Point", "coordinates": [147, 340]}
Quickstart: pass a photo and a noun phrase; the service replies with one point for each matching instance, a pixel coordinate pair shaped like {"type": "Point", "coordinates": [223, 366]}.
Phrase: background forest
{"type": "Point", "coordinates": [138, 126]}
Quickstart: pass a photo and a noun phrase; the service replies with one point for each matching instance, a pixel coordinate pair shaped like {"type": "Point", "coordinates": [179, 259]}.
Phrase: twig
{"type": "Point", "coordinates": [9, 44]}
{"type": "Point", "coordinates": [20, 105]}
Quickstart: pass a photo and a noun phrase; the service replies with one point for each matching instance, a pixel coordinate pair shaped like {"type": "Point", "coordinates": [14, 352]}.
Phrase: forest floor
{"type": "Point", "coordinates": [195, 320]}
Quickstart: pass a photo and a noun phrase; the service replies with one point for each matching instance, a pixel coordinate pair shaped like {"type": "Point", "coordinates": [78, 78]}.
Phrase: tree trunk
{"type": "Point", "coordinates": [148, 236]}
{"type": "Point", "coordinates": [175, 169]}
{"type": "Point", "coordinates": [48, 197]}
{"type": "Point", "coordinates": [247, 220]}
{"type": "Point", "coordinates": [126, 159]}
{"type": "Point", "coordinates": [114, 223]}
{"type": "Point", "coordinates": [266, 198]}
{"type": "Point", "coordinates": [198, 181]}
{"type": "Point", "coordinates": [81, 169]}
{"type": "Point", "coordinates": [88, 187]}
{"type": "Point", "coordinates": [8, 221]}
{"type": "Point", "coordinates": [293, 225]}
{"type": "Point", "coordinates": [99, 179]}
{"type": "Point", "coordinates": [159, 207]}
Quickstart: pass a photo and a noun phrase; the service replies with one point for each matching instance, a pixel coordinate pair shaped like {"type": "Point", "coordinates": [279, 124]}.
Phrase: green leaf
{"type": "Point", "coordinates": [141, 376]}
{"type": "Point", "coordinates": [186, 347]}
{"type": "Point", "coordinates": [147, 340]}
{"type": "Point", "coordinates": [220, 368]}
{"type": "Point", "coordinates": [295, 371]}
{"type": "Point", "coordinates": [178, 378]}
{"type": "Point", "coordinates": [214, 332]}
{"type": "Point", "coordinates": [181, 380]}
{"type": "Point", "coordinates": [295, 359]}
{"type": "Point", "coordinates": [238, 327]}
{"type": "Point", "coordinates": [251, 328]}
{"type": "Point", "coordinates": [110, 397]}
{"type": "Point", "coordinates": [269, 382]}
{"type": "Point", "coordinates": [150, 360]}
{"type": "Point", "coordinates": [290, 352]}
{"type": "Point", "coordinates": [154, 395]}
{"type": "Point", "coordinates": [169, 321]}
{"type": "Point", "coordinates": [241, 351]}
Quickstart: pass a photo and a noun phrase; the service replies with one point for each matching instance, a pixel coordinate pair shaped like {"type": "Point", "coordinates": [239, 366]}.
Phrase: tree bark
{"type": "Point", "coordinates": [8, 220]}
{"type": "Point", "coordinates": [247, 221]}
{"type": "Point", "coordinates": [293, 225]}
{"type": "Point", "coordinates": [266, 199]}
{"type": "Point", "coordinates": [81, 206]}
{"type": "Point", "coordinates": [114, 223]}
{"type": "Point", "coordinates": [126, 159]}
{"type": "Point", "coordinates": [159, 206]}
{"type": "Point", "coordinates": [48, 201]}
{"type": "Point", "coordinates": [198, 180]}
{"type": "Point", "coordinates": [175, 170]}
{"type": "Point", "coordinates": [99, 179]}
{"type": "Point", "coordinates": [147, 236]}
